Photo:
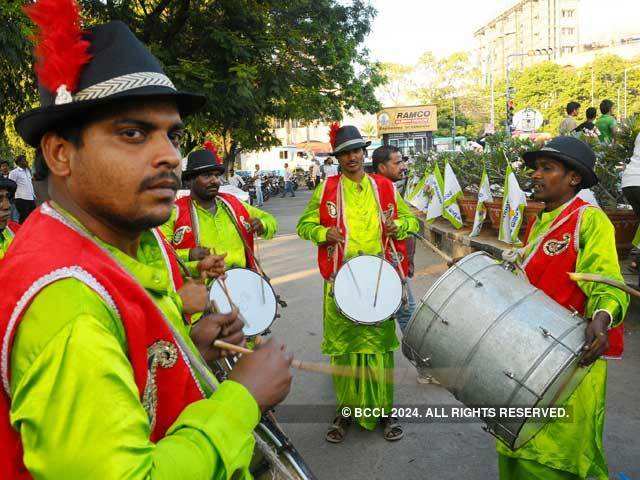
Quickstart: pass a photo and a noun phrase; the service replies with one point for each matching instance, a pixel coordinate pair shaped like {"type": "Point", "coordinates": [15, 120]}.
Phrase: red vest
{"type": "Point", "coordinates": [555, 255]}
{"type": "Point", "coordinates": [331, 207]}
{"type": "Point", "coordinates": [165, 381]}
{"type": "Point", "coordinates": [185, 230]}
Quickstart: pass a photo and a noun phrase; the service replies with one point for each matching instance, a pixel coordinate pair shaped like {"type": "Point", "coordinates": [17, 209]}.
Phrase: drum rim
{"type": "Point", "coordinates": [371, 324]}
{"type": "Point", "coordinates": [275, 315]}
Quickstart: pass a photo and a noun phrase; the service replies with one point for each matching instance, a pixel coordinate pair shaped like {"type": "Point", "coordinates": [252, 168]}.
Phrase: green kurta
{"type": "Point", "coordinates": [359, 346]}
{"type": "Point", "coordinates": [76, 403]}
{"type": "Point", "coordinates": [5, 240]}
{"type": "Point", "coordinates": [217, 230]}
{"type": "Point", "coordinates": [574, 450]}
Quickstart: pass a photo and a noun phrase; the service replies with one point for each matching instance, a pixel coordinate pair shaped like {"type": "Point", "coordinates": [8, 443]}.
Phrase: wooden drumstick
{"type": "Point", "coordinates": [444, 256]}
{"type": "Point", "coordinates": [297, 364]}
{"type": "Point", "coordinates": [594, 277]}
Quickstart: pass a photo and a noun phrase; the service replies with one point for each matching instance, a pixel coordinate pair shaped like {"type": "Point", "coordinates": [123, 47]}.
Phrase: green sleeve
{"type": "Point", "coordinates": [406, 222]}
{"type": "Point", "coordinates": [597, 254]}
{"type": "Point", "coordinates": [309, 227]}
{"type": "Point", "coordinates": [269, 222]}
{"type": "Point", "coordinates": [77, 406]}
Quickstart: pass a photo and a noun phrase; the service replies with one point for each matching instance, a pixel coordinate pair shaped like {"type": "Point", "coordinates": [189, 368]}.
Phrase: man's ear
{"type": "Point", "coordinates": [57, 153]}
{"type": "Point", "coordinates": [575, 178]}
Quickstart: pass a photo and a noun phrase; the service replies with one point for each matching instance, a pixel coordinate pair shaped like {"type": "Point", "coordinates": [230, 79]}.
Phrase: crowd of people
{"type": "Point", "coordinates": [109, 337]}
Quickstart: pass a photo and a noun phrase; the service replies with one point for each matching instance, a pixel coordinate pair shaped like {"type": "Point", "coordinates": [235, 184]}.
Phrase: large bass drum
{"type": "Point", "coordinates": [494, 340]}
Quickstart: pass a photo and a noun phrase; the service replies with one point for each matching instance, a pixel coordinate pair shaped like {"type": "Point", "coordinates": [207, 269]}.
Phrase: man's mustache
{"type": "Point", "coordinates": [152, 182]}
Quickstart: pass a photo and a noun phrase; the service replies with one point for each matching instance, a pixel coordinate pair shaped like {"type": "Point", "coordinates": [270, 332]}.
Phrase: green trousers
{"type": "Point", "coordinates": [370, 386]}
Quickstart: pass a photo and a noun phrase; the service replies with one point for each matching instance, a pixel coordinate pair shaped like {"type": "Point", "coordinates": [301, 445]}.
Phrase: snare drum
{"type": "Point", "coordinates": [252, 294]}
{"type": "Point", "coordinates": [494, 340]}
{"type": "Point", "coordinates": [367, 290]}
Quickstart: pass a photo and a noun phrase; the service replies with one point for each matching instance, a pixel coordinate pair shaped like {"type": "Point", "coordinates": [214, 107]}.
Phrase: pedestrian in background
{"type": "Point", "coordinates": [235, 179]}
{"type": "Point", "coordinates": [288, 184]}
{"type": "Point", "coordinates": [25, 198]}
{"type": "Point", "coordinates": [631, 190]}
{"type": "Point", "coordinates": [315, 173]}
{"type": "Point", "coordinates": [588, 127]}
{"type": "Point", "coordinates": [257, 182]}
{"type": "Point", "coordinates": [607, 122]}
{"type": "Point", "coordinates": [569, 123]}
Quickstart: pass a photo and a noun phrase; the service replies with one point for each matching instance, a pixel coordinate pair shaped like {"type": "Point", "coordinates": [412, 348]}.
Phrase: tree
{"type": "Point", "coordinates": [17, 88]}
{"type": "Point", "coordinates": [257, 60]}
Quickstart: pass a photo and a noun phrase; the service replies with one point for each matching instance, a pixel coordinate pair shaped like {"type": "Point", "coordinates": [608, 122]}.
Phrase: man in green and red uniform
{"type": "Point", "coordinates": [208, 219]}
{"type": "Point", "coordinates": [8, 229]}
{"type": "Point", "coordinates": [102, 377]}
{"type": "Point", "coordinates": [365, 350]}
{"type": "Point", "coordinates": [571, 235]}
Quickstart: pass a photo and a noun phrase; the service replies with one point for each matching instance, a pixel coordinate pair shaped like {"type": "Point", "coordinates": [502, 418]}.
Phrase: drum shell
{"type": "Point", "coordinates": [494, 340]}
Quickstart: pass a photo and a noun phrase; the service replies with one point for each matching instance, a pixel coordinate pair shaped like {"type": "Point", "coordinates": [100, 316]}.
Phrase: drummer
{"type": "Point", "coordinates": [366, 350]}
{"type": "Point", "coordinates": [571, 235]}
{"type": "Point", "coordinates": [208, 219]}
{"type": "Point", "coordinates": [96, 378]}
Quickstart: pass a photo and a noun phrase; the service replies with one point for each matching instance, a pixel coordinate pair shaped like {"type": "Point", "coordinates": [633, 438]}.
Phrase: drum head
{"type": "Point", "coordinates": [354, 289]}
{"type": "Point", "coordinates": [252, 294]}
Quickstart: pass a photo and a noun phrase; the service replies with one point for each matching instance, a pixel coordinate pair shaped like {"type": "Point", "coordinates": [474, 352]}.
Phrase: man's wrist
{"type": "Point", "coordinates": [604, 314]}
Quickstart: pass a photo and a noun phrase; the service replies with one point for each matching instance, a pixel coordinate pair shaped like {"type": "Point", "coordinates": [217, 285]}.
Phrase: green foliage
{"type": "Point", "coordinates": [256, 60]}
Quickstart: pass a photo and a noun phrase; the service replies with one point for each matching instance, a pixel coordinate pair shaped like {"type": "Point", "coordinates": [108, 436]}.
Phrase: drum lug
{"type": "Point", "coordinates": [277, 315]}
{"type": "Point", "coordinates": [444, 322]}
{"type": "Point", "coordinates": [547, 334]}
{"type": "Point", "coordinates": [266, 332]}
{"type": "Point", "coordinates": [513, 377]}
{"type": "Point", "coordinates": [281, 302]}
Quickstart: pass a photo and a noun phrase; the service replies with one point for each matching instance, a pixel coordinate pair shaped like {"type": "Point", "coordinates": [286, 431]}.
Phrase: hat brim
{"type": "Point", "coordinates": [589, 177]}
{"type": "Point", "coordinates": [32, 125]}
{"type": "Point", "coordinates": [351, 147]}
{"type": "Point", "coordinates": [189, 174]}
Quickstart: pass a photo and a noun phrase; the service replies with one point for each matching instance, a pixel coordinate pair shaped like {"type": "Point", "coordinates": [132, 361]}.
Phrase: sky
{"type": "Point", "coordinates": [404, 29]}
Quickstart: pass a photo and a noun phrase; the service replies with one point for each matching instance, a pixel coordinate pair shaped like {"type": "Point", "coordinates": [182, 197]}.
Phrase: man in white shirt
{"type": "Point", "coordinates": [288, 184]}
{"type": "Point", "coordinates": [315, 173]}
{"type": "Point", "coordinates": [25, 198]}
{"type": "Point", "coordinates": [257, 182]}
{"type": "Point", "coordinates": [329, 169]}
{"type": "Point", "coordinates": [235, 179]}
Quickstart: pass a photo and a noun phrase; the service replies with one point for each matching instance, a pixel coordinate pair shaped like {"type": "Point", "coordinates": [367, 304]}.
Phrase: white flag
{"type": "Point", "coordinates": [484, 195]}
{"type": "Point", "coordinates": [452, 191]}
{"type": "Point", "coordinates": [512, 209]}
{"type": "Point", "coordinates": [418, 196]}
{"type": "Point", "coordinates": [435, 182]}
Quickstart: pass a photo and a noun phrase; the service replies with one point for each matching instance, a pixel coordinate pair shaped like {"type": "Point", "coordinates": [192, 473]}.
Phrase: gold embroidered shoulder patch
{"type": "Point", "coordinates": [161, 354]}
{"type": "Point", "coordinates": [556, 247]}
{"type": "Point", "coordinates": [179, 234]}
{"type": "Point", "coordinates": [333, 209]}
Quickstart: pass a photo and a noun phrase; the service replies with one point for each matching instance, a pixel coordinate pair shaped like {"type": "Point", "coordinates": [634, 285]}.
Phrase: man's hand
{"type": "Point", "coordinates": [256, 226]}
{"type": "Point", "coordinates": [265, 373]}
{"type": "Point", "coordinates": [597, 340]}
{"type": "Point", "coordinates": [194, 296]}
{"type": "Point", "coordinates": [334, 236]}
{"type": "Point", "coordinates": [198, 253]}
{"type": "Point", "coordinates": [212, 266]}
{"type": "Point", "coordinates": [217, 326]}
{"type": "Point", "coordinates": [391, 228]}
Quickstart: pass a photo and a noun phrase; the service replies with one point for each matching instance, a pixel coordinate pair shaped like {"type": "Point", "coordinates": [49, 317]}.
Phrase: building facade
{"type": "Point", "coordinates": [529, 32]}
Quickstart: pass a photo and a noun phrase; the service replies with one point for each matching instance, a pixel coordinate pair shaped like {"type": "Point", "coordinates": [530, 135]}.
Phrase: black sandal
{"type": "Point", "coordinates": [338, 429]}
{"type": "Point", "coordinates": [393, 430]}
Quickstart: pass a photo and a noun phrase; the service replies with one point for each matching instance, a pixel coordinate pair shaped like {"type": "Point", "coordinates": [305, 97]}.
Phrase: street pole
{"type": "Point", "coordinates": [625, 92]}
{"type": "Point", "coordinates": [493, 110]}
{"type": "Point", "coordinates": [453, 127]}
{"type": "Point", "coordinates": [507, 97]}
{"type": "Point", "coordinates": [593, 85]}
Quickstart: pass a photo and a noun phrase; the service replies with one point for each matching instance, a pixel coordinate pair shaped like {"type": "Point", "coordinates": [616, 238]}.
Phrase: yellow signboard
{"type": "Point", "coordinates": [421, 118]}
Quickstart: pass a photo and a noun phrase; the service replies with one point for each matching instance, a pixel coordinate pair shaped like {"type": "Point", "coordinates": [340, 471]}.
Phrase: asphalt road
{"type": "Point", "coordinates": [443, 451]}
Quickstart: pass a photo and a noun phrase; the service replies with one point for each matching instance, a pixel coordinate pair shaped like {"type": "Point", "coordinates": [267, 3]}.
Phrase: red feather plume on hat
{"type": "Point", "coordinates": [59, 48]}
{"type": "Point", "coordinates": [333, 131]}
{"type": "Point", "coordinates": [208, 145]}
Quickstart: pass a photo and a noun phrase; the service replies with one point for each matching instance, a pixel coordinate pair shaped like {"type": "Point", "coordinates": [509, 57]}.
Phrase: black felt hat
{"type": "Point", "coordinates": [348, 138]}
{"type": "Point", "coordinates": [9, 185]}
{"type": "Point", "coordinates": [120, 67]}
{"type": "Point", "coordinates": [201, 161]}
{"type": "Point", "coordinates": [574, 153]}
